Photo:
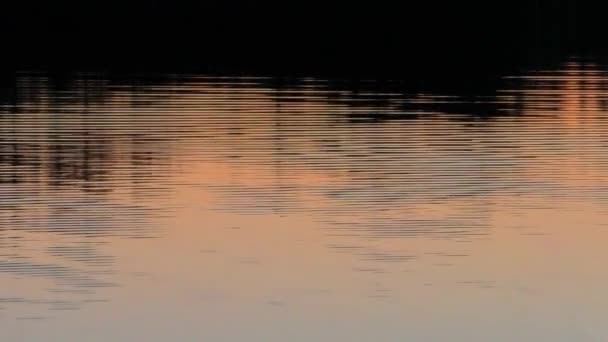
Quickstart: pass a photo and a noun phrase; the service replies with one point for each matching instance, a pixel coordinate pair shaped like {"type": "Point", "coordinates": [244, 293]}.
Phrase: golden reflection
{"type": "Point", "coordinates": [223, 199]}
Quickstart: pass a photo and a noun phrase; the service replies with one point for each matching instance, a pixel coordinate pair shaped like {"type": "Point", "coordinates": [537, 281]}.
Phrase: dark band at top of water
{"type": "Point", "coordinates": [385, 38]}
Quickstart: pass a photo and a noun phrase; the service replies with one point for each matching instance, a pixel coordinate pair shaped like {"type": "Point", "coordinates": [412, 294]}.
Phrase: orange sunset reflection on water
{"type": "Point", "coordinates": [227, 209]}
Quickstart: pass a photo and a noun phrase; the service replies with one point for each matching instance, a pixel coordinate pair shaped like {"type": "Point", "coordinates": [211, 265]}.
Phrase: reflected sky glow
{"type": "Point", "coordinates": [245, 209]}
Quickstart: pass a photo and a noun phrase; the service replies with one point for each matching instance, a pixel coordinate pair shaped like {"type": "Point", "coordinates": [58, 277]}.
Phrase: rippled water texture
{"type": "Point", "coordinates": [193, 208]}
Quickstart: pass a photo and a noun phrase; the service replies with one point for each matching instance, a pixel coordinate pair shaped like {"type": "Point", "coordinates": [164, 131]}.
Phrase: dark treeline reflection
{"type": "Point", "coordinates": [300, 35]}
{"type": "Point", "coordinates": [97, 132]}
{"type": "Point", "coordinates": [73, 149]}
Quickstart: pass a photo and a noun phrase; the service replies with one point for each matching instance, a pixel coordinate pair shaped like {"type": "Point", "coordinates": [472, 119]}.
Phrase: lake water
{"type": "Point", "coordinates": [205, 208]}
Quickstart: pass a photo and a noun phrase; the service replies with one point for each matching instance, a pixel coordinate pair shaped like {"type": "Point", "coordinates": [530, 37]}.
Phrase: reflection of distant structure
{"type": "Point", "coordinates": [68, 135]}
{"type": "Point", "coordinates": [576, 92]}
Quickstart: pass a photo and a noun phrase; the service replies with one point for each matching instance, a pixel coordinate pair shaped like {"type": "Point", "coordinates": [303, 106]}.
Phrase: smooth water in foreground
{"type": "Point", "coordinates": [193, 208]}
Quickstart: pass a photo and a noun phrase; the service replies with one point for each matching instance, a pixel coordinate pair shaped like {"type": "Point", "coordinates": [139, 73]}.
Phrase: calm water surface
{"type": "Point", "coordinates": [195, 208]}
